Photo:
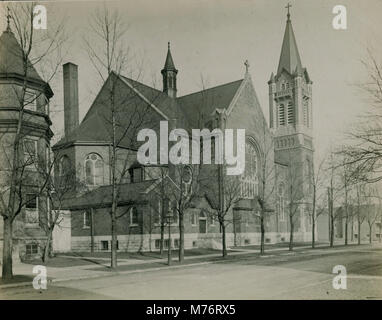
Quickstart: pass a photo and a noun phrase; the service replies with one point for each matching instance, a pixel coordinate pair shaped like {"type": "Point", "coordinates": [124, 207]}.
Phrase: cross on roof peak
{"type": "Point", "coordinates": [8, 19]}
{"type": "Point", "coordinates": [246, 63]}
{"type": "Point", "coordinates": [288, 6]}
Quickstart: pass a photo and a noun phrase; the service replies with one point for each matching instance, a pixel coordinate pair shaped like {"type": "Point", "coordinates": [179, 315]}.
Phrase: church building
{"type": "Point", "coordinates": [278, 155]}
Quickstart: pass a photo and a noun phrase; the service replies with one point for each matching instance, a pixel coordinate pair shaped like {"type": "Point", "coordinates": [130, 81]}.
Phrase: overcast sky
{"type": "Point", "coordinates": [213, 39]}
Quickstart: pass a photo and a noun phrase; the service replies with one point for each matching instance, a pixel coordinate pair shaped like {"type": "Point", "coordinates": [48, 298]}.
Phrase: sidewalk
{"type": "Point", "coordinates": [129, 266]}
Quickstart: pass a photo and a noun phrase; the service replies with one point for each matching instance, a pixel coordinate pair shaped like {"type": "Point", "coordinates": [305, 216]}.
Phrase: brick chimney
{"type": "Point", "coordinates": [71, 110]}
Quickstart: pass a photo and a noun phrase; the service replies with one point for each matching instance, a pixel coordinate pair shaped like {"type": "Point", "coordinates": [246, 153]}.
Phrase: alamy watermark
{"type": "Point", "coordinates": [40, 281]}
{"type": "Point", "coordinates": [340, 280]}
{"type": "Point", "coordinates": [225, 150]}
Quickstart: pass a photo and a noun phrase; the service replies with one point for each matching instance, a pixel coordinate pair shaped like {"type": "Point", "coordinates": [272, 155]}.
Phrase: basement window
{"type": "Point", "coordinates": [105, 245]}
{"type": "Point", "coordinates": [31, 248]}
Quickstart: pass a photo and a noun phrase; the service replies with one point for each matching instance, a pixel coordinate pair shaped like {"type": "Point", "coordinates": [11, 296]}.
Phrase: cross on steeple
{"type": "Point", "coordinates": [8, 19]}
{"type": "Point", "coordinates": [246, 63]}
{"type": "Point", "coordinates": [288, 6]}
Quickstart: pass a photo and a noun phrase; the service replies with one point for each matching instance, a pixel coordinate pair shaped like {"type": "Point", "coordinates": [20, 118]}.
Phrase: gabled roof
{"type": "Point", "coordinates": [289, 57]}
{"type": "Point", "coordinates": [187, 110]}
{"type": "Point", "coordinates": [96, 125]}
{"type": "Point", "coordinates": [198, 106]}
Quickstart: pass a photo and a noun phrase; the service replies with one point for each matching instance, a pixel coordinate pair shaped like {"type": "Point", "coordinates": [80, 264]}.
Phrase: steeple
{"type": "Point", "coordinates": [289, 57]}
{"type": "Point", "coordinates": [169, 73]}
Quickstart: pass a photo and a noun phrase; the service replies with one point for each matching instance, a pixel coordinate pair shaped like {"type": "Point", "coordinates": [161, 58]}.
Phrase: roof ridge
{"type": "Point", "coordinates": [141, 83]}
{"type": "Point", "coordinates": [220, 85]}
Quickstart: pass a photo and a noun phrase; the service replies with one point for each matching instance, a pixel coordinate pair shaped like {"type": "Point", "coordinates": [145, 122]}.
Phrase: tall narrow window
{"type": "Point", "coordinates": [63, 168]}
{"type": "Point", "coordinates": [290, 113]}
{"type": "Point", "coordinates": [94, 173]}
{"type": "Point", "coordinates": [30, 100]}
{"type": "Point", "coordinates": [281, 115]}
{"type": "Point", "coordinates": [281, 203]}
{"type": "Point", "coordinates": [87, 219]}
{"type": "Point", "coordinates": [31, 209]}
{"type": "Point", "coordinates": [134, 219]}
{"type": "Point", "coordinates": [309, 175]}
{"type": "Point", "coordinates": [30, 154]}
{"type": "Point", "coordinates": [249, 183]}
{"type": "Point", "coordinates": [306, 113]}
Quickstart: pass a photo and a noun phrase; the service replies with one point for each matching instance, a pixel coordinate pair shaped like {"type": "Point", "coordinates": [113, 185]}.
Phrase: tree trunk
{"type": "Point", "coordinates": [359, 232]}
{"type": "Point", "coordinates": [7, 272]}
{"type": "Point", "coordinates": [370, 230]}
{"type": "Point", "coordinates": [181, 238]}
{"type": "Point", "coordinates": [161, 245]}
{"type": "Point", "coordinates": [346, 230]}
{"type": "Point", "coordinates": [46, 253]}
{"type": "Point", "coordinates": [113, 242]}
{"type": "Point", "coordinates": [262, 240]}
{"type": "Point", "coordinates": [331, 230]}
{"type": "Point", "coordinates": [224, 242]}
{"type": "Point", "coordinates": [313, 233]}
{"type": "Point", "coordinates": [291, 234]}
{"type": "Point", "coordinates": [91, 230]}
{"type": "Point", "coordinates": [352, 230]}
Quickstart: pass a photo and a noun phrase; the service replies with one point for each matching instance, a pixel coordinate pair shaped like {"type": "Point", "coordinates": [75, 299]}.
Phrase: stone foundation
{"type": "Point", "coordinates": [138, 243]}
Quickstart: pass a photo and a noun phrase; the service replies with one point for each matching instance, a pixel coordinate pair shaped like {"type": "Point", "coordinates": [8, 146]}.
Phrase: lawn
{"type": "Point", "coordinates": [16, 279]}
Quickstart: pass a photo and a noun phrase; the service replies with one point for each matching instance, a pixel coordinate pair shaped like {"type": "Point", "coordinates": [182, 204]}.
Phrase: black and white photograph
{"type": "Point", "coordinates": [191, 150]}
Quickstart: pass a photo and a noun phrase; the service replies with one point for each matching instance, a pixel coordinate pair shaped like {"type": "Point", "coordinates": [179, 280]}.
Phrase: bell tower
{"type": "Point", "coordinates": [290, 117]}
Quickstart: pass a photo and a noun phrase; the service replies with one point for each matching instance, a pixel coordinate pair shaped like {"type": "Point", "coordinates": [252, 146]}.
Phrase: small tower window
{"type": "Point", "coordinates": [306, 113]}
{"type": "Point", "coordinates": [281, 115]}
{"type": "Point", "coordinates": [290, 113]}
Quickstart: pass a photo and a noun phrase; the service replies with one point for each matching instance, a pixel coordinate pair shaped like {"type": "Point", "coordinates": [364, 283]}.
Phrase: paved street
{"type": "Point", "coordinates": [304, 274]}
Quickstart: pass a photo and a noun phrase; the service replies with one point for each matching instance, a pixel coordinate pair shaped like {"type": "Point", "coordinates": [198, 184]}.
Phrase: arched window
{"type": "Point", "coordinates": [63, 166]}
{"type": "Point", "coordinates": [94, 169]}
{"type": "Point", "coordinates": [249, 183]}
{"type": "Point", "coordinates": [290, 113]}
{"type": "Point", "coordinates": [281, 202]}
{"type": "Point", "coordinates": [281, 115]}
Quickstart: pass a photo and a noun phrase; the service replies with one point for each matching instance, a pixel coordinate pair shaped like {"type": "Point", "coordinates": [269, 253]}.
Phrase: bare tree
{"type": "Point", "coordinates": [364, 151]}
{"type": "Point", "coordinates": [187, 181]}
{"type": "Point", "coordinates": [360, 191]}
{"type": "Point", "coordinates": [371, 210]}
{"type": "Point", "coordinates": [222, 201]}
{"type": "Point", "coordinates": [317, 208]}
{"type": "Point", "coordinates": [33, 49]}
{"type": "Point", "coordinates": [125, 115]}
{"type": "Point", "coordinates": [266, 176]}
{"type": "Point", "coordinates": [294, 180]}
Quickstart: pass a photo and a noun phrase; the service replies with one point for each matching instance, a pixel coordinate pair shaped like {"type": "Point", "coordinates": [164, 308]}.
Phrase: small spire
{"type": "Point", "coordinates": [8, 19]}
{"type": "Point", "coordinates": [288, 6]}
{"type": "Point", "coordinates": [169, 64]}
{"type": "Point", "coordinates": [246, 63]}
